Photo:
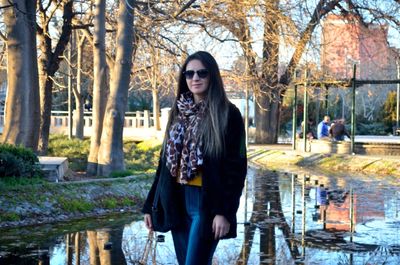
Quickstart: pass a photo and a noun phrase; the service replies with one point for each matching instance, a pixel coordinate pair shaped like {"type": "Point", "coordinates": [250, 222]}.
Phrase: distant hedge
{"type": "Point", "coordinates": [17, 161]}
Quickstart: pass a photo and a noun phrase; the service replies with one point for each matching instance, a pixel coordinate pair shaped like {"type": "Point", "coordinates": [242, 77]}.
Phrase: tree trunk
{"type": "Point", "coordinates": [94, 258]}
{"type": "Point", "coordinates": [22, 101]}
{"type": "Point", "coordinates": [268, 99]}
{"type": "Point", "coordinates": [156, 110]}
{"type": "Point", "coordinates": [154, 91]}
{"type": "Point", "coordinates": [78, 113]}
{"type": "Point", "coordinates": [100, 84]}
{"type": "Point", "coordinates": [111, 155]}
{"type": "Point", "coordinates": [46, 86]}
{"type": "Point", "coordinates": [49, 62]}
{"type": "Point", "coordinates": [267, 118]}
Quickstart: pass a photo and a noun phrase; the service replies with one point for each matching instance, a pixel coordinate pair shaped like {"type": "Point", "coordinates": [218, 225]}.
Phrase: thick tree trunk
{"type": "Point", "coordinates": [267, 118]}
{"type": "Point", "coordinates": [100, 84]}
{"type": "Point", "coordinates": [78, 113]}
{"type": "Point", "coordinates": [111, 155]}
{"type": "Point", "coordinates": [49, 62]}
{"type": "Point", "coordinates": [268, 99]}
{"type": "Point", "coordinates": [94, 258]}
{"type": "Point", "coordinates": [22, 101]}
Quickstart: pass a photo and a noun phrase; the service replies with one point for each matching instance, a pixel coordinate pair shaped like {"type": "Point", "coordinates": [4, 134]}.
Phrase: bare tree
{"type": "Point", "coordinates": [78, 90]}
{"type": "Point", "coordinates": [111, 155]}
{"type": "Point", "coordinates": [50, 58]}
{"type": "Point", "coordinates": [100, 83]}
{"type": "Point", "coordinates": [22, 102]}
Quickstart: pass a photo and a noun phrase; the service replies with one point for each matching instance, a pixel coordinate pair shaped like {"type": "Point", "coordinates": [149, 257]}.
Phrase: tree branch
{"type": "Point", "coordinates": [186, 6]}
{"type": "Point", "coordinates": [3, 37]}
{"type": "Point", "coordinates": [305, 36]}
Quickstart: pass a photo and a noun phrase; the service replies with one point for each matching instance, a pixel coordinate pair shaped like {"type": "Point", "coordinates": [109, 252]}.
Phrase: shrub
{"type": "Point", "coordinates": [75, 150]}
{"type": "Point", "coordinates": [75, 205]}
{"type": "Point", "coordinates": [142, 157]}
{"type": "Point", "coordinates": [17, 161]}
{"type": "Point", "coordinates": [371, 129]}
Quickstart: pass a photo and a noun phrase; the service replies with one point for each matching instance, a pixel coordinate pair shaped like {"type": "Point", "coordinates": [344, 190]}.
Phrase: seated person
{"type": "Point", "coordinates": [323, 128]}
{"type": "Point", "coordinates": [310, 133]}
{"type": "Point", "coordinates": [338, 130]}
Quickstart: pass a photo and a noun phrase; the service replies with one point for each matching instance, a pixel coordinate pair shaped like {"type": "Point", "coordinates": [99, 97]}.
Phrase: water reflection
{"type": "Point", "coordinates": [283, 219]}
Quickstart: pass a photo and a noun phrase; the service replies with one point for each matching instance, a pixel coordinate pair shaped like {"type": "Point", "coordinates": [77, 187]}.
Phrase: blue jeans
{"type": "Point", "coordinates": [190, 248]}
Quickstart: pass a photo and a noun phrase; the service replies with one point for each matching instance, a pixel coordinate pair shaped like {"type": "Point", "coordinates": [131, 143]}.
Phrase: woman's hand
{"type": "Point", "coordinates": [147, 221]}
{"type": "Point", "coordinates": [220, 226]}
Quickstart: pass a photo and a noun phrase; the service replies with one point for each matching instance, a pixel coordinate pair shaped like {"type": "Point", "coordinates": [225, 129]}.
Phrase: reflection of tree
{"type": "Point", "coordinates": [266, 193]}
{"type": "Point", "coordinates": [74, 243]}
{"type": "Point", "coordinates": [99, 253]}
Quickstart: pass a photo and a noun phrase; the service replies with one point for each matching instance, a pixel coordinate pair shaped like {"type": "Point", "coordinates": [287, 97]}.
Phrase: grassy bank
{"type": "Point", "coordinates": [25, 201]}
{"type": "Point", "coordinates": [52, 202]}
{"type": "Point", "coordinates": [282, 159]}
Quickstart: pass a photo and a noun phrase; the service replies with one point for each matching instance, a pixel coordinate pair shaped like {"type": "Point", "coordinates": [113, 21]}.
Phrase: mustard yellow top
{"type": "Point", "coordinates": [196, 181]}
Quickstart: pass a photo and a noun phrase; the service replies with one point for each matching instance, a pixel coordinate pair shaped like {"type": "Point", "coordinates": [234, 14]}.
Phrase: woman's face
{"type": "Point", "coordinates": [197, 79]}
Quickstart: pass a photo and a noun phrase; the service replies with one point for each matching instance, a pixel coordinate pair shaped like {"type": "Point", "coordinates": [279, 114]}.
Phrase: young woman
{"type": "Point", "coordinates": [203, 163]}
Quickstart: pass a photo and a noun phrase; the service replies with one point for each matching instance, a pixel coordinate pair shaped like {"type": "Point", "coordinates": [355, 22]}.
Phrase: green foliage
{"type": "Point", "coordinates": [12, 182]}
{"type": "Point", "coordinates": [121, 174]}
{"type": "Point", "coordinates": [388, 112]}
{"type": "Point", "coordinates": [127, 202]}
{"type": "Point", "coordinates": [109, 203]}
{"type": "Point", "coordinates": [17, 161]}
{"type": "Point", "coordinates": [139, 157]}
{"type": "Point", "coordinates": [75, 205]}
{"type": "Point", "coordinates": [377, 128]}
{"type": "Point", "coordinates": [9, 217]}
{"type": "Point", "coordinates": [142, 157]}
{"type": "Point", "coordinates": [116, 202]}
{"type": "Point", "coordinates": [75, 150]}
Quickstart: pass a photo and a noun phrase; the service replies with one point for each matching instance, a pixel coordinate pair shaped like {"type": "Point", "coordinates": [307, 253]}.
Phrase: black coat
{"type": "Point", "coordinates": [222, 182]}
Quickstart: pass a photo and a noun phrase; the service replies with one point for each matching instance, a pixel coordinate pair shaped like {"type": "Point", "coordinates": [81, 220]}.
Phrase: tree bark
{"type": "Point", "coordinates": [22, 100]}
{"type": "Point", "coordinates": [111, 155]}
{"type": "Point", "coordinates": [100, 84]}
{"type": "Point", "coordinates": [94, 258]}
{"type": "Point", "coordinates": [78, 113]}
{"type": "Point", "coordinates": [154, 91]}
{"type": "Point", "coordinates": [49, 62]}
{"type": "Point", "coordinates": [268, 99]}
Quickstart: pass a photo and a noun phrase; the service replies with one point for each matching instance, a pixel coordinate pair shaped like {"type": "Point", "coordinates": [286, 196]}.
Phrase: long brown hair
{"type": "Point", "coordinates": [216, 118]}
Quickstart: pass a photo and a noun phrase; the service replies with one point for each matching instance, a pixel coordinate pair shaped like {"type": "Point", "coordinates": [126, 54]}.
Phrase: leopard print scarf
{"type": "Point", "coordinates": [183, 151]}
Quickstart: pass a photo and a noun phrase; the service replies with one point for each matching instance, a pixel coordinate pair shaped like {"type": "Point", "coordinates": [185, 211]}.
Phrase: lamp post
{"type": "Point", "coordinates": [398, 95]}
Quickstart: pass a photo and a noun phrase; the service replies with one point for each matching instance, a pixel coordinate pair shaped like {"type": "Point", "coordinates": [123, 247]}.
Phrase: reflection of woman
{"type": "Point", "coordinates": [203, 163]}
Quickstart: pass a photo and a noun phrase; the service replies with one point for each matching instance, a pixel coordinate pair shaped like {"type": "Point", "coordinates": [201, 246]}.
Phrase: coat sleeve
{"type": "Point", "coordinates": [234, 166]}
{"type": "Point", "coordinates": [150, 196]}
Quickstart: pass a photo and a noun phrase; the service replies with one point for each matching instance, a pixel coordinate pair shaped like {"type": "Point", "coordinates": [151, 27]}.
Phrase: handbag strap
{"type": "Point", "coordinates": [156, 196]}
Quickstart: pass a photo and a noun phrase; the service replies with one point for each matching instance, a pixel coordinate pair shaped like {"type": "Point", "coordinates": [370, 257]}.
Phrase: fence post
{"type": "Point", "coordinates": [305, 112]}
{"type": "Point", "coordinates": [294, 115]}
{"type": "Point", "coordinates": [146, 118]}
{"type": "Point", "coordinates": [138, 119]}
{"type": "Point", "coordinates": [353, 108]}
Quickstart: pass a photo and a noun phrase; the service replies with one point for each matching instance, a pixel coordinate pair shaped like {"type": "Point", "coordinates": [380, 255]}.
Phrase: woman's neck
{"type": "Point", "coordinates": [197, 98]}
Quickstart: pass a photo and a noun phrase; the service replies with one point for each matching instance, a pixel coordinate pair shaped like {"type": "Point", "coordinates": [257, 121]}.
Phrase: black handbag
{"type": "Point", "coordinates": [158, 218]}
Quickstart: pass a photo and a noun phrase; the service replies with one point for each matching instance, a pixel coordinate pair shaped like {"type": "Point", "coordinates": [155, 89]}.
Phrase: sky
{"type": "Point", "coordinates": [227, 52]}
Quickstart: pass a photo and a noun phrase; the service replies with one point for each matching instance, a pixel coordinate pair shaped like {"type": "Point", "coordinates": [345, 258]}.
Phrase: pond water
{"type": "Point", "coordinates": [284, 218]}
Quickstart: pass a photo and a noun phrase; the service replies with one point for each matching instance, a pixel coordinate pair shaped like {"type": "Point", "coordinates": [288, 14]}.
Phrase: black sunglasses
{"type": "Point", "coordinates": [202, 73]}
